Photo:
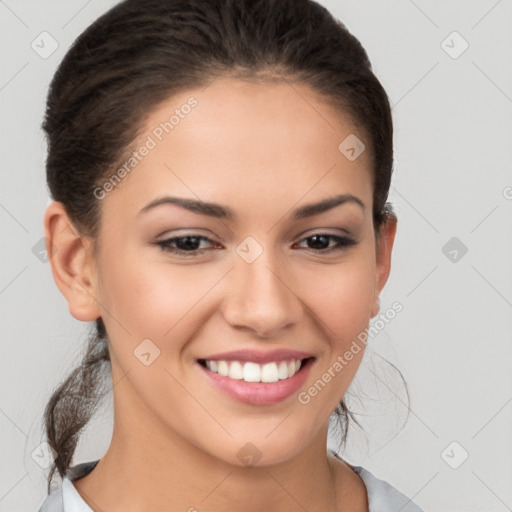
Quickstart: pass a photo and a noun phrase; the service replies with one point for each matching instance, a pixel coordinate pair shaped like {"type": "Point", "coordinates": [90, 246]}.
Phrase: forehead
{"type": "Point", "coordinates": [235, 139]}
{"type": "Point", "coordinates": [286, 117]}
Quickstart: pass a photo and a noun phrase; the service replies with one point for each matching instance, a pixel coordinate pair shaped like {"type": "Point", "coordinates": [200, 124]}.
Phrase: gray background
{"type": "Point", "coordinates": [452, 342]}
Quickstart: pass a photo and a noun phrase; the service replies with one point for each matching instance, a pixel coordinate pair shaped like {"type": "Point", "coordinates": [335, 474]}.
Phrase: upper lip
{"type": "Point", "coordinates": [258, 356]}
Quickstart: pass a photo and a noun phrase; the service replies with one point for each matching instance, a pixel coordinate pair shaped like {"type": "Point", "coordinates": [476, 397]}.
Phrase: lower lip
{"type": "Point", "coordinates": [259, 393]}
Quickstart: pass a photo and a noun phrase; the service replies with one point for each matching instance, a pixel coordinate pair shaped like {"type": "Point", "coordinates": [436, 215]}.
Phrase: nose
{"type": "Point", "coordinates": [260, 298]}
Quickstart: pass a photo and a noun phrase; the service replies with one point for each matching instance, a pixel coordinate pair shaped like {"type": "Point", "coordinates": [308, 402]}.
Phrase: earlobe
{"type": "Point", "coordinates": [384, 247]}
{"type": "Point", "coordinates": [72, 265]}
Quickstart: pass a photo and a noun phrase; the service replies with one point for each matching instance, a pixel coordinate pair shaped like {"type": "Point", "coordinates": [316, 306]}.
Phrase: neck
{"type": "Point", "coordinates": [149, 466]}
{"type": "Point", "coordinates": [146, 476]}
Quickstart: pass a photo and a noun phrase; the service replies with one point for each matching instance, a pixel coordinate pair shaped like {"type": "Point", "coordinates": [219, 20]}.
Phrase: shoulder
{"type": "Point", "coordinates": [66, 497]}
{"type": "Point", "coordinates": [382, 496]}
{"type": "Point", "coordinates": [53, 502]}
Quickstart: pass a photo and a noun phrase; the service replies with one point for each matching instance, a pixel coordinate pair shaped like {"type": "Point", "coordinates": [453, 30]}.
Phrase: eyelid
{"type": "Point", "coordinates": [189, 232]}
{"type": "Point", "coordinates": [326, 231]}
{"type": "Point", "coordinates": [183, 232]}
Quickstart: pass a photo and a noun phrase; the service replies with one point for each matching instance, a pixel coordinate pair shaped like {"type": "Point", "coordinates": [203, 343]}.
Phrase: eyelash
{"type": "Point", "coordinates": [343, 244]}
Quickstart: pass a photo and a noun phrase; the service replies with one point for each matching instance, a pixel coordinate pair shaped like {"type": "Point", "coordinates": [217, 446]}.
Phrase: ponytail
{"type": "Point", "coordinates": [75, 401]}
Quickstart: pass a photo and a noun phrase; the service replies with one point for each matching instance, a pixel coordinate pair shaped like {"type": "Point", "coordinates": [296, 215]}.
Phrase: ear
{"type": "Point", "coordinates": [71, 260]}
{"type": "Point", "coordinates": [384, 245]}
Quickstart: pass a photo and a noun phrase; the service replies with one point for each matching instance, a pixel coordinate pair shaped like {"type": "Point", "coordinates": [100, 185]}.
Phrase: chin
{"type": "Point", "coordinates": [253, 451]}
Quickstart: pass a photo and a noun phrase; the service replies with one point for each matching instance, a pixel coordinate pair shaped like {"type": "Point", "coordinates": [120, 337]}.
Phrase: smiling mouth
{"type": "Point", "coordinates": [250, 371]}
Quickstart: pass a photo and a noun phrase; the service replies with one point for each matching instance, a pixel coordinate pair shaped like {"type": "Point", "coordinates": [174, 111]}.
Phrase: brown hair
{"type": "Point", "coordinates": [140, 53]}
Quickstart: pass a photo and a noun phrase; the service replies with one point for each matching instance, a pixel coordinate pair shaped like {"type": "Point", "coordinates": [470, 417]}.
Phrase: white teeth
{"type": "Point", "coordinates": [236, 371]}
{"type": "Point", "coordinates": [223, 368]}
{"type": "Point", "coordinates": [254, 372]}
{"type": "Point", "coordinates": [269, 373]}
{"type": "Point", "coordinates": [283, 369]}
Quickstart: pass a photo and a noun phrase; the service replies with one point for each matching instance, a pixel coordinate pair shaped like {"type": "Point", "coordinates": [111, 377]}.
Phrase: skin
{"type": "Point", "coordinates": [262, 150]}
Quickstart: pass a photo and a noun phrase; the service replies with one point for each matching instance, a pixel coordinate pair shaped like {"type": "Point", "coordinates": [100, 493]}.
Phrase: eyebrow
{"type": "Point", "coordinates": [223, 212]}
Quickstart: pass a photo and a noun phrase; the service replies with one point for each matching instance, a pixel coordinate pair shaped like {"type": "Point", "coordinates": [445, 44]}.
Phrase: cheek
{"type": "Point", "coordinates": [151, 310]}
{"type": "Point", "coordinates": [146, 297]}
{"type": "Point", "coordinates": [343, 297]}
{"type": "Point", "coordinates": [343, 302]}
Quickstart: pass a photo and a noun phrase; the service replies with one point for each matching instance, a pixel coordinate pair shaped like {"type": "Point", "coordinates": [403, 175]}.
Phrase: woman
{"type": "Point", "coordinates": [219, 171]}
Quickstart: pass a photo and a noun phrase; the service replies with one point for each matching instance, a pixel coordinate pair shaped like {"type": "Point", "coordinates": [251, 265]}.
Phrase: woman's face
{"type": "Point", "coordinates": [260, 282]}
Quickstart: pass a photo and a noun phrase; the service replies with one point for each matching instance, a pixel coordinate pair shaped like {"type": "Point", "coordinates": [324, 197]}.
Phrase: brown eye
{"type": "Point", "coordinates": [320, 242]}
{"type": "Point", "coordinates": [183, 244]}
